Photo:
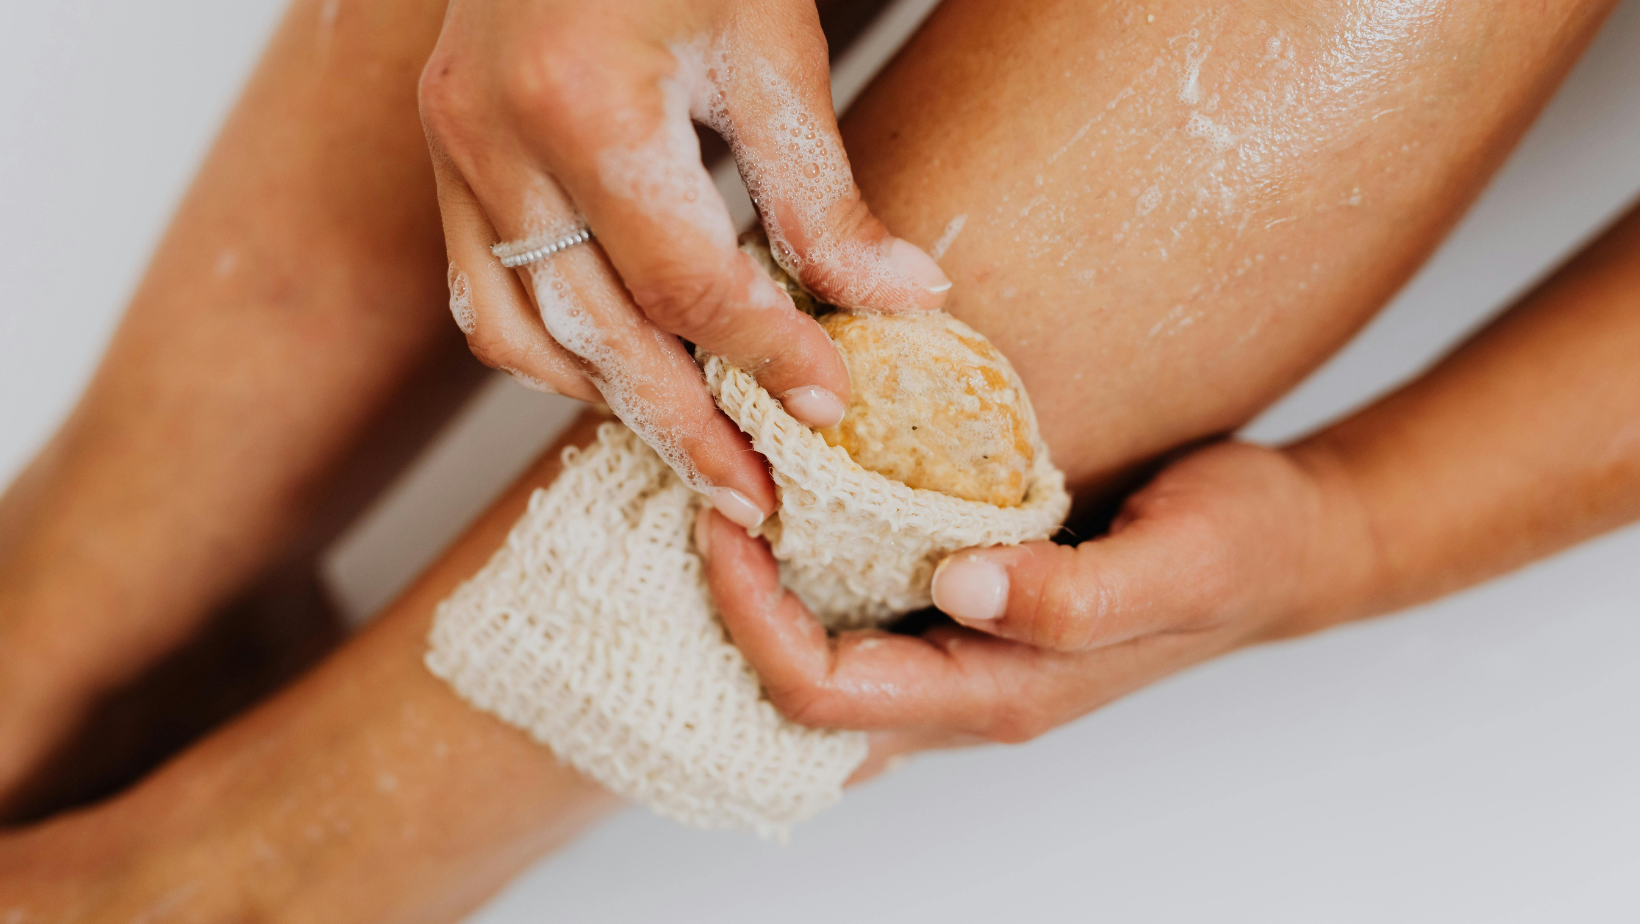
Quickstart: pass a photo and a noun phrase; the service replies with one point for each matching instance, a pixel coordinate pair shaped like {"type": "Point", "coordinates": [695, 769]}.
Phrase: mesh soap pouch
{"type": "Point", "coordinates": [592, 628]}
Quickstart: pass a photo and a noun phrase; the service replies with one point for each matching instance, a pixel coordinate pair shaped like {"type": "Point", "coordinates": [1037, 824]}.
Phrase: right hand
{"type": "Point", "coordinates": [1230, 545]}
{"type": "Point", "coordinates": [544, 115]}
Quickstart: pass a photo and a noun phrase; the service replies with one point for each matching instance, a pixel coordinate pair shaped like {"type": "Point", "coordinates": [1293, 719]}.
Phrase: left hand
{"type": "Point", "coordinates": [547, 117]}
{"type": "Point", "coordinates": [1230, 545]}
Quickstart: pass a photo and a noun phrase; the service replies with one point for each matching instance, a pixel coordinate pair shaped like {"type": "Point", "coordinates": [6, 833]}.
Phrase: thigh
{"type": "Point", "coordinates": [257, 390]}
{"type": "Point", "coordinates": [1167, 214]}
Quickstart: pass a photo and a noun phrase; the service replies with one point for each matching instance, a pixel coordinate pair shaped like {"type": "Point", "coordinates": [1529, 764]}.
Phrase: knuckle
{"type": "Point", "coordinates": [1076, 601]}
{"type": "Point", "coordinates": [826, 279]}
{"type": "Point", "coordinates": [851, 219]}
{"type": "Point", "coordinates": [1207, 563]}
{"type": "Point", "coordinates": [493, 350]}
{"type": "Point", "coordinates": [445, 94]}
{"type": "Point", "coordinates": [1018, 725]}
{"type": "Point", "coordinates": [806, 704]}
{"type": "Point", "coordinates": [558, 81]}
{"type": "Point", "coordinates": [538, 85]}
{"type": "Point", "coordinates": [815, 252]}
{"type": "Point", "coordinates": [548, 81]}
{"type": "Point", "coordinates": [686, 301]}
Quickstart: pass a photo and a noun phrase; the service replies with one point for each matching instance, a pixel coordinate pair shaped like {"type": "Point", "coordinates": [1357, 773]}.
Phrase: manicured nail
{"type": "Point", "coordinates": [910, 259]}
{"type": "Point", "coordinates": [703, 533]}
{"type": "Point", "coordinates": [737, 507]}
{"type": "Point", "coordinates": [971, 589]}
{"type": "Point", "coordinates": [814, 406]}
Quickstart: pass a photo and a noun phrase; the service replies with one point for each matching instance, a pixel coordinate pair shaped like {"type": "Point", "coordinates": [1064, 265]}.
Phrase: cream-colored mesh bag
{"type": "Point", "coordinates": [860, 548]}
{"type": "Point", "coordinates": [593, 630]}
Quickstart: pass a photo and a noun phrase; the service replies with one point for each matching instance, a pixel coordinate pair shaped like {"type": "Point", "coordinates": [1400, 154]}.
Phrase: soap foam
{"type": "Point", "coordinates": [461, 301]}
{"type": "Point", "coordinates": [664, 172]}
{"type": "Point", "coordinates": [573, 326]}
{"type": "Point", "coordinates": [796, 177]}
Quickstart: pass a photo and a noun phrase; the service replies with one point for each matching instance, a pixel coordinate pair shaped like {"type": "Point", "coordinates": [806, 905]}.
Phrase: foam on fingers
{"type": "Point", "coordinates": [786, 145]}
{"type": "Point", "coordinates": [461, 301]}
{"type": "Point", "coordinates": [648, 405]}
{"type": "Point", "coordinates": [593, 627]}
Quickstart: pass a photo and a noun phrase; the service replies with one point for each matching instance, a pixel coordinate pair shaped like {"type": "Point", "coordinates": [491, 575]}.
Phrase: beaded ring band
{"type": "Point", "coordinates": [514, 254]}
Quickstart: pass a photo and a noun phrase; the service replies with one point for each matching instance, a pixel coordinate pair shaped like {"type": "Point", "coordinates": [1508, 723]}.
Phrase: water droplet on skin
{"type": "Point", "coordinates": [811, 170]}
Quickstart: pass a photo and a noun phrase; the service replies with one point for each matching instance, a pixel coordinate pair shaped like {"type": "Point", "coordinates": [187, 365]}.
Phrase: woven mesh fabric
{"type": "Point", "coordinates": [859, 548]}
{"type": "Point", "coordinates": [592, 627]}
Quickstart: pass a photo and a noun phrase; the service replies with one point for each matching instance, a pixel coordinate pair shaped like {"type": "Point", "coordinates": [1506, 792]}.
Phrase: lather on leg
{"type": "Point", "coordinates": [1166, 214]}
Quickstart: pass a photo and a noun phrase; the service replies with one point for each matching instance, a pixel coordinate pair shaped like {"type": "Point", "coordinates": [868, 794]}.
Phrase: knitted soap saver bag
{"type": "Point", "coordinates": [592, 628]}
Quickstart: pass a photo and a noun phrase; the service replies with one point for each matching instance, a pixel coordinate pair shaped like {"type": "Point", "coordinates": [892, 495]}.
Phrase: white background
{"type": "Point", "coordinates": [1475, 760]}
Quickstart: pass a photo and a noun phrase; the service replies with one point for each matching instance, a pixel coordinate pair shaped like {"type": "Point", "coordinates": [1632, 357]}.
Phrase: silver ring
{"type": "Point", "coordinates": [517, 253]}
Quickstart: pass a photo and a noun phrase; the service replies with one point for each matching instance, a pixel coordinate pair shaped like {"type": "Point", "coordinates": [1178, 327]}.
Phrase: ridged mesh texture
{"type": "Point", "coordinates": [858, 548]}
{"type": "Point", "coordinates": [593, 630]}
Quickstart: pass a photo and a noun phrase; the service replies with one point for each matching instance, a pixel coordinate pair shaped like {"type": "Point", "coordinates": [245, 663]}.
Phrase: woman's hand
{"type": "Point", "coordinates": [1229, 545]}
{"type": "Point", "coordinates": [545, 116]}
{"type": "Point", "coordinates": [1522, 442]}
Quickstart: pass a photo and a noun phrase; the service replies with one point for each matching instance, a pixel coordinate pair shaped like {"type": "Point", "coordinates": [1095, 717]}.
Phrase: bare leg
{"type": "Point", "coordinates": [365, 792]}
{"type": "Point", "coordinates": [300, 287]}
{"type": "Point", "coordinates": [288, 349]}
{"type": "Point", "coordinates": [1167, 218]}
{"type": "Point", "coordinates": [970, 143]}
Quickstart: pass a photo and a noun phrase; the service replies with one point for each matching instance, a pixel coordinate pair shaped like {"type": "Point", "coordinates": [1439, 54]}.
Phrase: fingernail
{"type": "Point", "coordinates": [970, 589]}
{"type": "Point", "coordinates": [737, 507]}
{"type": "Point", "coordinates": [814, 406]}
{"type": "Point", "coordinates": [703, 533]}
{"type": "Point", "coordinates": [910, 259]}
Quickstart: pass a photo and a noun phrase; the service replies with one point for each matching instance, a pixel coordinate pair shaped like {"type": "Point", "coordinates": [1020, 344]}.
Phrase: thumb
{"type": "Point", "coordinates": [778, 119]}
{"type": "Point", "coordinates": [1152, 577]}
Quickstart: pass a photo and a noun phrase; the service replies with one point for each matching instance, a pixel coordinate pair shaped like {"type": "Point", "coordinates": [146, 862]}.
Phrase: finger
{"type": "Point", "coordinates": [651, 382]}
{"type": "Point", "coordinates": [645, 376]}
{"type": "Point", "coordinates": [633, 169]}
{"type": "Point", "coordinates": [489, 302]}
{"type": "Point", "coordinates": [1155, 575]}
{"type": "Point", "coordinates": [952, 681]}
{"type": "Point", "coordinates": [778, 118]}
{"type": "Point", "coordinates": [950, 687]}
